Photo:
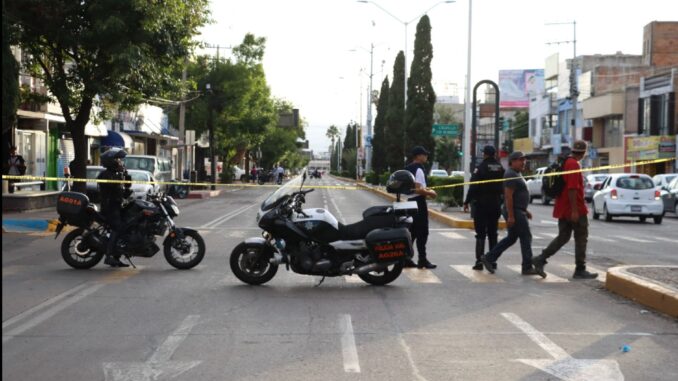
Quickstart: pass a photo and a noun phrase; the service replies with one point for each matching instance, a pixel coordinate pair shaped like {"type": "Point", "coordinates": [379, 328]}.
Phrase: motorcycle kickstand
{"type": "Point", "coordinates": [321, 282]}
{"type": "Point", "coordinates": [130, 261]}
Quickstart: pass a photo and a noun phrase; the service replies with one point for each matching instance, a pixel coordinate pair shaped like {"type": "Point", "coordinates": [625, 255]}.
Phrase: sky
{"type": "Point", "coordinates": [317, 51]}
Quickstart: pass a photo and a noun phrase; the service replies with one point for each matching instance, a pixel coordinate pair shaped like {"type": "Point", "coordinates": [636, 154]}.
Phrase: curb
{"type": "Point", "coordinates": [34, 225]}
{"type": "Point", "coordinates": [650, 293]}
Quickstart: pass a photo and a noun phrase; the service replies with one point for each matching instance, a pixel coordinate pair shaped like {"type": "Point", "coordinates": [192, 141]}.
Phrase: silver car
{"type": "Point", "coordinates": [590, 182]}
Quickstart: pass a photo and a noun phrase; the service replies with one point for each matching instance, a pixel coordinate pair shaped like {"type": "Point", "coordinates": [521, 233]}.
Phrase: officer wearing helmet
{"type": "Point", "coordinates": [419, 228]}
{"type": "Point", "coordinates": [112, 195]}
{"type": "Point", "coordinates": [485, 200]}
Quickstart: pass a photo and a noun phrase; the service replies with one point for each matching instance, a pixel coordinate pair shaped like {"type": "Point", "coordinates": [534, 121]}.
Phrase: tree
{"type": "Point", "coordinates": [447, 153]}
{"type": "Point", "coordinates": [520, 125]}
{"type": "Point", "coordinates": [420, 94]}
{"type": "Point", "coordinates": [103, 53]}
{"type": "Point", "coordinates": [348, 154]}
{"type": "Point", "coordinates": [10, 79]}
{"type": "Point", "coordinates": [332, 133]}
{"type": "Point", "coordinates": [394, 130]}
{"type": "Point", "coordinates": [379, 139]}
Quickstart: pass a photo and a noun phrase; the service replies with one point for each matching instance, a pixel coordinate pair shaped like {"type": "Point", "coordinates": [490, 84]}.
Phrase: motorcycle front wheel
{"type": "Point", "coordinates": [384, 277]}
{"type": "Point", "coordinates": [251, 265]}
{"type": "Point", "coordinates": [185, 253]}
{"type": "Point", "coordinates": [77, 253]}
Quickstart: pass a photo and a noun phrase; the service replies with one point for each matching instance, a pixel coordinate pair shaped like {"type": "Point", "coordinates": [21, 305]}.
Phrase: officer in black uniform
{"type": "Point", "coordinates": [485, 201]}
{"type": "Point", "coordinates": [112, 195]}
{"type": "Point", "coordinates": [419, 228]}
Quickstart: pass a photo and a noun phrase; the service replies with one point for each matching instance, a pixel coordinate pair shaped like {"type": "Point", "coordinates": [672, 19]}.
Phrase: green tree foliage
{"type": "Point", "coordinates": [447, 153]}
{"type": "Point", "coordinates": [420, 94]}
{"type": "Point", "coordinates": [10, 79]}
{"type": "Point", "coordinates": [104, 53]}
{"type": "Point", "coordinates": [394, 130]}
{"type": "Point", "coordinates": [332, 133]}
{"type": "Point", "coordinates": [520, 125]}
{"type": "Point", "coordinates": [379, 138]}
{"type": "Point", "coordinates": [348, 154]}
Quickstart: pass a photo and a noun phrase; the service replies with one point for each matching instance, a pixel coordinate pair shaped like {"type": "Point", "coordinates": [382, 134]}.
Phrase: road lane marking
{"type": "Point", "coordinates": [42, 305]}
{"type": "Point", "coordinates": [550, 235]}
{"type": "Point", "coordinates": [550, 278]}
{"type": "Point", "coordinates": [158, 365]}
{"type": "Point", "coordinates": [477, 276]}
{"type": "Point", "coordinates": [632, 239]}
{"type": "Point", "coordinates": [65, 300]}
{"type": "Point", "coordinates": [339, 213]}
{"type": "Point", "coordinates": [562, 365]}
{"type": "Point", "coordinates": [348, 348]}
{"type": "Point", "coordinates": [226, 217]}
{"type": "Point", "coordinates": [549, 222]}
{"type": "Point", "coordinates": [666, 239]}
{"type": "Point", "coordinates": [602, 274]}
{"type": "Point", "coordinates": [410, 359]}
{"type": "Point", "coordinates": [352, 279]}
{"type": "Point", "coordinates": [597, 238]}
{"type": "Point", "coordinates": [421, 276]}
{"type": "Point", "coordinates": [452, 235]}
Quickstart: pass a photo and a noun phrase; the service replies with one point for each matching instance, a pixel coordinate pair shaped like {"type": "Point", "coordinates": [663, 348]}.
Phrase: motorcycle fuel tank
{"type": "Point", "coordinates": [320, 224]}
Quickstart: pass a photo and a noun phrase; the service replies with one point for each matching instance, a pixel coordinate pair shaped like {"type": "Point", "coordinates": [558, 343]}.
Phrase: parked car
{"type": "Point", "coordinates": [140, 191]}
{"type": "Point", "coordinates": [662, 181]}
{"type": "Point", "coordinates": [92, 188]}
{"type": "Point", "coordinates": [438, 173]}
{"type": "Point", "coordinates": [669, 196]}
{"type": "Point", "coordinates": [239, 174]}
{"type": "Point", "coordinates": [534, 186]}
{"type": "Point", "coordinates": [629, 195]}
{"type": "Point", "coordinates": [159, 167]}
{"type": "Point", "coordinates": [457, 173]}
{"type": "Point", "coordinates": [590, 182]}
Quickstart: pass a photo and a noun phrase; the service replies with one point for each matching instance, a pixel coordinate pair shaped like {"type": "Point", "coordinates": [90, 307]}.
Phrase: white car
{"type": "Point", "coordinates": [662, 181]}
{"type": "Point", "coordinates": [140, 191]}
{"type": "Point", "coordinates": [534, 186]}
{"type": "Point", "coordinates": [628, 195]}
{"type": "Point", "coordinates": [239, 174]}
{"type": "Point", "coordinates": [438, 173]}
{"type": "Point", "coordinates": [457, 173]}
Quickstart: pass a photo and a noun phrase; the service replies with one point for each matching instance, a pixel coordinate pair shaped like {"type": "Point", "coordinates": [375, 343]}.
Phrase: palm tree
{"type": "Point", "coordinates": [332, 133]}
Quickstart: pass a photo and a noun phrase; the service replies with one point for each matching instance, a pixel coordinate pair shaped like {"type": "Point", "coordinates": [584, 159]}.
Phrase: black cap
{"type": "Point", "coordinates": [419, 150]}
{"type": "Point", "coordinates": [489, 150]}
{"type": "Point", "coordinates": [515, 156]}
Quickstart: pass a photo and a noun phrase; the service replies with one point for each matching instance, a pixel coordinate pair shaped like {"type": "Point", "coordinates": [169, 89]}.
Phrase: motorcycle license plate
{"type": "Point", "coordinates": [636, 208]}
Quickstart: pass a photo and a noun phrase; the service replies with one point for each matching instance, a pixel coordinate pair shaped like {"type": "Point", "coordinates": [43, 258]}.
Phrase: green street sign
{"type": "Point", "coordinates": [445, 130]}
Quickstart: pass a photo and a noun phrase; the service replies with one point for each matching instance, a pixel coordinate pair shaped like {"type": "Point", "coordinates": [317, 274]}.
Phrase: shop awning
{"type": "Point", "coordinates": [117, 139]}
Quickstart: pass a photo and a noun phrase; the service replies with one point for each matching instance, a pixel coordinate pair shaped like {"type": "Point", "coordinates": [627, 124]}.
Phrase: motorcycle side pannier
{"type": "Point", "coordinates": [389, 244]}
{"type": "Point", "coordinates": [72, 209]}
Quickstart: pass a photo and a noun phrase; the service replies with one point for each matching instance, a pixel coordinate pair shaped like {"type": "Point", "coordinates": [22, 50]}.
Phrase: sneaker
{"type": "Point", "coordinates": [114, 262]}
{"type": "Point", "coordinates": [538, 262]}
{"type": "Point", "coordinates": [531, 271]}
{"type": "Point", "coordinates": [478, 266]}
{"type": "Point", "coordinates": [583, 274]}
{"type": "Point", "coordinates": [409, 264]}
{"type": "Point", "coordinates": [494, 265]}
{"type": "Point", "coordinates": [488, 265]}
{"type": "Point", "coordinates": [425, 264]}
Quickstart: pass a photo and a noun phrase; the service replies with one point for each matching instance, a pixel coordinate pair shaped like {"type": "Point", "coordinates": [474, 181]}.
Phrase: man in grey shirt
{"type": "Point", "coordinates": [516, 199]}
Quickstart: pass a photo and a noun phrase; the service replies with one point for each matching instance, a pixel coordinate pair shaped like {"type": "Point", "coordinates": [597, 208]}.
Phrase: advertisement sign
{"type": "Point", "coordinates": [650, 147]}
{"type": "Point", "coordinates": [516, 86]}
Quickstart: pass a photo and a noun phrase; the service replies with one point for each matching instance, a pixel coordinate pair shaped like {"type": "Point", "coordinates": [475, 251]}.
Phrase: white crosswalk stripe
{"type": "Point", "coordinates": [353, 279]}
{"type": "Point", "coordinates": [476, 276]}
{"type": "Point", "coordinates": [421, 276]}
{"type": "Point", "coordinates": [601, 239]}
{"type": "Point", "coordinates": [452, 235]}
{"type": "Point", "coordinates": [550, 278]}
{"type": "Point", "coordinates": [632, 239]}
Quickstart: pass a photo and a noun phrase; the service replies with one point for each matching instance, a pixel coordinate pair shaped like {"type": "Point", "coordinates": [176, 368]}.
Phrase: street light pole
{"type": "Point", "coordinates": [467, 106]}
{"type": "Point", "coordinates": [210, 126]}
{"type": "Point", "coordinates": [368, 140]}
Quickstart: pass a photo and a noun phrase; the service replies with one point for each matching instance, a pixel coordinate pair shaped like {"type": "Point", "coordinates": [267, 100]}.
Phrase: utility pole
{"type": "Point", "coordinates": [368, 142]}
{"type": "Point", "coordinates": [210, 126]}
{"type": "Point", "coordinates": [466, 150]}
{"type": "Point", "coordinates": [182, 132]}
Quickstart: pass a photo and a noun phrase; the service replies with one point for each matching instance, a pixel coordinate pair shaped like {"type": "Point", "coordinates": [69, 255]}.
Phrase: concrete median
{"type": "Point", "coordinates": [645, 290]}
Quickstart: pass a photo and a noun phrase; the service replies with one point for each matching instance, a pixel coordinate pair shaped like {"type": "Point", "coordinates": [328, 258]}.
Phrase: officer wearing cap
{"type": "Point", "coordinates": [419, 228]}
{"type": "Point", "coordinates": [485, 201]}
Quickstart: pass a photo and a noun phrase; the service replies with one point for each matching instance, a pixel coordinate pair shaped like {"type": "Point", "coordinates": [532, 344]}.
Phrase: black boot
{"type": "Point", "coordinates": [580, 272]}
{"type": "Point", "coordinates": [539, 262]}
{"type": "Point", "coordinates": [480, 250]}
{"type": "Point", "coordinates": [425, 264]}
{"type": "Point", "coordinates": [114, 261]}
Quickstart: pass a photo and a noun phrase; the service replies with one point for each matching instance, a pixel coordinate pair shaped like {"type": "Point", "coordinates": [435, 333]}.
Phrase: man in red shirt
{"type": "Point", "coordinates": [571, 212]}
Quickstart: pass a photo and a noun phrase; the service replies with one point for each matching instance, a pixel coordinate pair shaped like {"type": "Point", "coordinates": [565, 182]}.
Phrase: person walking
{"type": "Point", "coordinates": [572, 214]}
{"type": "Point", "coordinates": [485, 201]}
{"type": "Point", "coordinates": [516, 199]}
{"type": "Point", "coordinates": [419, 228]}
{"type": "Point", "coordinates": [14, 166]}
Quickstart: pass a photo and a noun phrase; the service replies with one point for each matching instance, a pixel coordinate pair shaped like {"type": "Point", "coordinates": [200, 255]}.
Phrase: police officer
{"type": "Point", "coordinates": [419, 228]}
{"type": "Point", "coordinates": [112, 195]}
{"type": "Point", "coordinates": [485, 200]}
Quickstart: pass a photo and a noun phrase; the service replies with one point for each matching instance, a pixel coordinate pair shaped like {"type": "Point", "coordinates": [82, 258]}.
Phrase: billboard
{"type": "Point", "coordinates": [516, 87]}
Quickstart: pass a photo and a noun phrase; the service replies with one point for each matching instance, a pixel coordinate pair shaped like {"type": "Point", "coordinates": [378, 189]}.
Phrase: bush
{"type": "Point", "coordinates": [451, 196]}
{"type": "Point", "coordinates": [226, 175]}
{"type": "Point", "coordinates": [383, 178]}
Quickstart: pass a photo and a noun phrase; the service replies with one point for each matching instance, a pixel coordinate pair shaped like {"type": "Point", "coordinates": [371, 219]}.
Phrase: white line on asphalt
{"type": "Point", "coordinates": [633, 239]}
{"type": "Point", "coordinates": [408, 352]}
{"type": "Point", "coordinates": [537, 337]}
{"type": "Point", "coordinates": [348, 348]}
{"type": "Point", "coordinates": [226, 217]}
{"type": "Point", "coordinates": [42, 317]}
{"type": "Point", "coordinates": [352, 279]}
{"type": "Point", "coordinates": [477, 276]}
{"type": "Point", "coordinates": [666, 239]}
{"type": "Point", "coordinates": [421, 276]}
{"type": "Point", "coordinates": [551, 235]}
{"type": "Point", "coordinates": [601, 239]}
{"type": "Point", "coordinates": [550, 278]}
{"type": "Point", "coordinates": [341, 215]}
{"type": "Point", "coordinates": [547, 222]}
{"type": "Point", "coordinates": [42, 305]}
{"type": "Point", "coordinates": [452, 235]}
{"type": "Point", "coordinates": [166, 350]}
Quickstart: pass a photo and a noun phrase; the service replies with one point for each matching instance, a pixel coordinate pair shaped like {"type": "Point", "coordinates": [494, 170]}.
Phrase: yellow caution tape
{"type": "Point", "coordinates": [204, 184]}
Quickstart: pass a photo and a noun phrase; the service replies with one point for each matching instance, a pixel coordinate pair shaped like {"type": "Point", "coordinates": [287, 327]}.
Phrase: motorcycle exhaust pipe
{"type": "Point", "coordinates": [369, 268]}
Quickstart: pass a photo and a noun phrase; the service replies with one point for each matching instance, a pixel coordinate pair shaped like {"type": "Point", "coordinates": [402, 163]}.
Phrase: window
{"type": "Point", "coordinates": [139, 176]}
{"type": "Point", "coordinates": [635, 182]}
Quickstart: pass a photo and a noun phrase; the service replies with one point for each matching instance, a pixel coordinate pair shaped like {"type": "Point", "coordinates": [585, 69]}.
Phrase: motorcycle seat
{"type": "Point", "coordinates": [360, 229]}
{"type": "Point", "coordinates": [377, 211]}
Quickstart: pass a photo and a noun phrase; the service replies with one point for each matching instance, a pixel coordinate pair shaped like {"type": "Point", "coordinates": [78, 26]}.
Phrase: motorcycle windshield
{"type": "Point", "coordinates": [284, 191]}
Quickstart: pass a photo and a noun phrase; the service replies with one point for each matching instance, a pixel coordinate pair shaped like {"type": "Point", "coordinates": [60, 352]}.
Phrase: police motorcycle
{"type": "Point", "coordinates": [84, 247]}
{"type": "Point", "coordinates": [312, 242]}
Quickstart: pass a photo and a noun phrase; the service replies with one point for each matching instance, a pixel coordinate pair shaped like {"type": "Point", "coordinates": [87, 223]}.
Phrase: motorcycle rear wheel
{"type": "Point", "coordinates": [385, 277]}
{"type": "Point", "coordinates": [78, 254]}
{"type": "Point", "coordinates": [251, 264]}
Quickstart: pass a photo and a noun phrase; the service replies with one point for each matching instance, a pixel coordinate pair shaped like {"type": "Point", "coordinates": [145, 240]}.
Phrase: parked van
{"type": "Point", "coordinates": [159, 167]}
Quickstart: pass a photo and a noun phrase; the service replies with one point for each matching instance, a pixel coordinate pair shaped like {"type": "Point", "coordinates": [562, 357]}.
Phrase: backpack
{"type": "Point", "coordinates": [553, 185]}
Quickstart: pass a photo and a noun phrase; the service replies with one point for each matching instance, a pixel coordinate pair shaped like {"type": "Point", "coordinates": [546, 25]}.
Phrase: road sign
{"type": "Point", "coordinates": [445, 130]}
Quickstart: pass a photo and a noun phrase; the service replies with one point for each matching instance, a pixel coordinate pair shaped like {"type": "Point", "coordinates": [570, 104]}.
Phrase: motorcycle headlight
{"type": "Point", "coordinates": [175, 209]}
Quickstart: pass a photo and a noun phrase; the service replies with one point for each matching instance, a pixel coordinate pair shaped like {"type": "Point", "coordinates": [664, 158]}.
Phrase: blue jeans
{"type": "Point", "coordinates": [519, 230]}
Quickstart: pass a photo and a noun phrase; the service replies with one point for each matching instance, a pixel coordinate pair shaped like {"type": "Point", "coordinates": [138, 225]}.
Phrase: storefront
{"type": "Point", "coordinates": [650, 148]}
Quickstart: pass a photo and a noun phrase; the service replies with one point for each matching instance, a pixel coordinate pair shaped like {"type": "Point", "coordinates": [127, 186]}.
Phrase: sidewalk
{"type": "Point", "coordinates": [652, 286]}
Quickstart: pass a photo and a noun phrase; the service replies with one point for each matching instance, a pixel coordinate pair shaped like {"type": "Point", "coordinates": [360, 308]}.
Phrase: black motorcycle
{"type": "Point", "coordinates": [313, 242]}
{"type": "Point", "coordinates": [84, 247]}
{"type": "Point", "coordinates": [178, 191]}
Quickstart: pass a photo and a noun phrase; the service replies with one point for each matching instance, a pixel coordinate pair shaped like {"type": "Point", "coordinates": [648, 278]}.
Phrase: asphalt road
{"type": "Point", "coordinates": [448, 324]}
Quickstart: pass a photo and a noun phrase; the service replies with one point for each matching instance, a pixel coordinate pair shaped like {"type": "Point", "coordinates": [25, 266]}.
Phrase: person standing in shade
{"type": "Point", "coordinates": [485, 201]}
{"type": "Point", "coordinates": [571, 212]}
{"type": "Point", "coordinates": [419, 228]}
{"type": "Point", "coordinates": [14, 166]}
{"type": "Point", "coordinates": [516, 199]}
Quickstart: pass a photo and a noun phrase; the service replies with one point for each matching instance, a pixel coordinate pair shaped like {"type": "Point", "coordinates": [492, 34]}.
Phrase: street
{"type": "Point", "coordinates": [451, 323]}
